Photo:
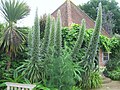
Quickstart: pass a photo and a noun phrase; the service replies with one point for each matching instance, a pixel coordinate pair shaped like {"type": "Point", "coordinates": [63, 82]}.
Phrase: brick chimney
{"type": "Point", "coordinates": [69, 15]}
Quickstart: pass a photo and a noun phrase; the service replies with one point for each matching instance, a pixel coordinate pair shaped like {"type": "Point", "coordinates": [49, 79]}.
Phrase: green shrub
{"type": "Point", "coordinates": [115, 74]}
{"type": "Point", "coordinates": [62, 72]}
{"type": "Point", "coordinates": [95, 80]}
{"type": "Point", "coordinates": [113, 64]}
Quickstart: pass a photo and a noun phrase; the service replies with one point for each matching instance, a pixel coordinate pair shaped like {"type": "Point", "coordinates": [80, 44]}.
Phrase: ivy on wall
{"type": "Point", "coordinates": [70, 35]}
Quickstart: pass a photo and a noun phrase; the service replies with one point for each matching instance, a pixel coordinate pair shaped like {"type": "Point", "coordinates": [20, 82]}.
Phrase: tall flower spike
{"type": "Point", "coordinates": [58, 37]}
{"type": "Point", "coordinates": [36, 38]}
{"type": "Point", "coordinates": [44, 48]}
{"type": "Point", "coordinates": [79, 40]}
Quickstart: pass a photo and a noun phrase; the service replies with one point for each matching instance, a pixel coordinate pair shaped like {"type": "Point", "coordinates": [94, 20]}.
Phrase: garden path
{"type": "Point", "coordinates": [113, 85]}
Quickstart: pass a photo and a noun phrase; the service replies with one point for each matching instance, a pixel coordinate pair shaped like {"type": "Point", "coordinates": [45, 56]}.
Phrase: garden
{"type": "Point", "coordinates": [53, 57]}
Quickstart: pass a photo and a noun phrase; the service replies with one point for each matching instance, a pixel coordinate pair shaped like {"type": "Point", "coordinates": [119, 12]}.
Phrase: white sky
{"type": "Point", "coordinates": [44, 6]}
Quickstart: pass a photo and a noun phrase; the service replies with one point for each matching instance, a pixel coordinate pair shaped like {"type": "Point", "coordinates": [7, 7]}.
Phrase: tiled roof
{"type": "Point", "coordinates": [70, 13]}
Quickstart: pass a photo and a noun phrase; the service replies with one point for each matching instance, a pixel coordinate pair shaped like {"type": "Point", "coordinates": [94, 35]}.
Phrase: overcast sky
{"type": "Point", "coordinates": [44, 6]}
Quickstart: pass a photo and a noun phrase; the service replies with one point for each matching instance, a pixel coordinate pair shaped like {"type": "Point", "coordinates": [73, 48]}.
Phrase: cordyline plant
{"type": "Point", "coordinates": [12, 11]}
{"type": "Point", "coordinates": [79, 40]}
{"type": "Point", "coordinates": [92, 49]}
{"type": "Point", "coordinates": [58, 36]}
{"type": "Point", "coordinates": [46, 39]}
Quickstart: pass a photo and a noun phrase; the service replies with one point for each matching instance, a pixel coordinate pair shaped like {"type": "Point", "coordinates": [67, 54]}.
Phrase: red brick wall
{"type": "Point", "coordinates": [78, 15]}
{"type": "Point", "coordinates": [63, 9]}
{"type": "Point", "coordinates": [100, 58]}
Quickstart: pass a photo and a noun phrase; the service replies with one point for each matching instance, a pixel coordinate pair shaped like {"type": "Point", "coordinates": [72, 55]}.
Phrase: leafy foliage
{"type": "Point", "coordinates": [12, 11]}
{"type": "Point", "coordinates": [62, 72]}
{"type": "Point", "coordinates": [108, 6]}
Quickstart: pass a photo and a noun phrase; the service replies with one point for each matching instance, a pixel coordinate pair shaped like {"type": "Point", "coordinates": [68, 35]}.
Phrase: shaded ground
{"type": "Point", "coordinates": [113, 85]}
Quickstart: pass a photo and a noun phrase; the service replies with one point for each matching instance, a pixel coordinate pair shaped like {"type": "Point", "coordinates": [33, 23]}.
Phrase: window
{"type": "Point", "coordinates": [105, 57]}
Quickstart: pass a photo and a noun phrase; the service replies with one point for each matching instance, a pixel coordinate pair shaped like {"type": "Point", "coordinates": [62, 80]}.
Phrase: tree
{"type": "Point", "coordinates": [108, 6]}
{"type": "Point", "coordinates": [12, 11]}
{"type": "Point", "coordinates": [92, 49]}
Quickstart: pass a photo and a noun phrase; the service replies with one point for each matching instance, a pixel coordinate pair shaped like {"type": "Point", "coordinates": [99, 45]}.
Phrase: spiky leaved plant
{"type": "Point", "coordinates": [79, 40]}
{"type": "Point", "coordinates": [13, 38]}
{"type": "Point", "coordinates": [30, 37]}
{"type": "Point", "coordinates": [92, 49]}
{"type": "Point", "coordinates": [52, 36]}
{"type": "Point", "coordinates": [32, 68]}
{"type": "Point", "coordinates": [45, 44]}
{"type": "Point", "coordinates": [52, 33]}
{"type": "Point", "coordinates": [36, 39]}
{"type": "Point", "coordinates": [58, 37]}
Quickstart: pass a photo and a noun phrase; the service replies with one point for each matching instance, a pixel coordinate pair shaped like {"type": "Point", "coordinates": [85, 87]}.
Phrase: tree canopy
{"type": "Point", "coordinates": [108, 6]}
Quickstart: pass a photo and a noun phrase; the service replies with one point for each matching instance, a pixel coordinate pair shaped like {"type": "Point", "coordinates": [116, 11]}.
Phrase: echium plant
{"type": "Point", "coordinates": [36, 39]}
{"type": "Point", "coordinates": [91, 51]}
{"type": "Point", "coordinates": [32, 68]}
{"type": "Point", "coordinates": [92, 48]}
{"type": "Point", "coordinates": [58, 36]}
{"type": "Point", "coordinates": [30, 37]}
{"type": "Point", "coordinates": [52, 33]}
{"type": "Point", "coordinates": [79, 40]}
{"type": "Point", "coordinates": [52, 36]}
{"type": "Point", "coordinates": [46, 39]}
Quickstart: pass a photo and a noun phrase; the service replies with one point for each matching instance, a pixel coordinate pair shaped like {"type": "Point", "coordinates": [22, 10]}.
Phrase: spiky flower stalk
{"type": "Point", "coordinates": [36, 39]}
{"type": "Point", "coordinates": [52, 34]}
{"type": "Point", "coordinates": [32, 67]}
{"type": "Point", "coordinates": [92, 49]}
{"type": "Point", "coordinates": [30, 37]}
{"type": "Point", "coordinates": [58, 37]}
{"type": "Point", "coordinates": [79, 40]}
{"type": "Point", "coordinates": [44, 48]}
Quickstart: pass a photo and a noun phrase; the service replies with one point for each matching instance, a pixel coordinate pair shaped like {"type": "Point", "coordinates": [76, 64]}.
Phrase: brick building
{"type": "Point", "coordinates": [70, 13]}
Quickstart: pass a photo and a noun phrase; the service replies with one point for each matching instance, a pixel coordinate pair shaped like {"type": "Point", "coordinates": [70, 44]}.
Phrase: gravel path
{"type": "Point", "coordinates": [113, 85]}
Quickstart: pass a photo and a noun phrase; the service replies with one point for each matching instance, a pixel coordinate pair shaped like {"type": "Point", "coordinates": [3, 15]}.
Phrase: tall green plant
{"type": "Point", "coordinates": [45, 44]}
{"type": "Point", "coordinates": [92, 48]}
{"type": "Point", "coordinates": [36, 39]}
{"type": "Point", "coordinates": [32, 68]}
{"type": "Point", "coordinates": [30, 37]}
{"type": "Point", "coordinates": [79, 40]}
{"type": "Point", "coordinates": [12, 11]}
{"type": "Point", "coordinates": [52, 34]}
{"type": "Point", "coordinates": [58, 37]}
{"type": "Point", "coordinates": [91, 51]}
